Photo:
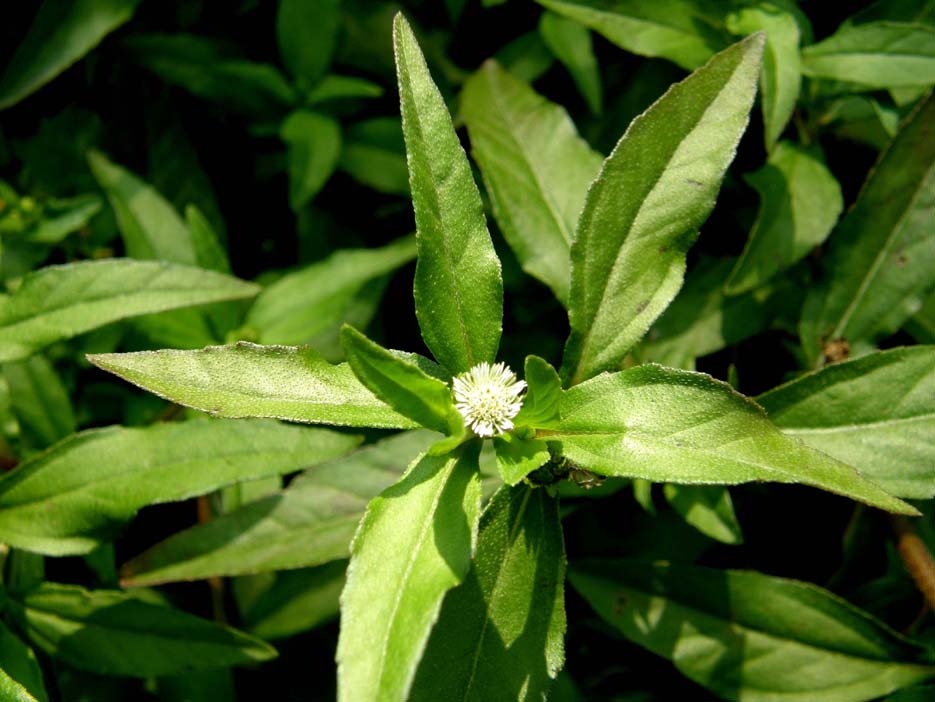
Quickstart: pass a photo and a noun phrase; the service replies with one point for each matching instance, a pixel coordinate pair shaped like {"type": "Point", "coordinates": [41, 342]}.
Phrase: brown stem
{"type": "Point", "coordinates": [916, 557]}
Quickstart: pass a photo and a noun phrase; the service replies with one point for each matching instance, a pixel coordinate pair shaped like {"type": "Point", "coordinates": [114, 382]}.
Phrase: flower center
{"type": "Point", "coordinates": [488, 397]}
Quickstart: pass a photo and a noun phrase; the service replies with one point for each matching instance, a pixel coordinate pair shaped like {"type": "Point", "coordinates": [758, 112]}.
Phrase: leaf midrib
{"type": "Point", "coordinates": [442, 239]}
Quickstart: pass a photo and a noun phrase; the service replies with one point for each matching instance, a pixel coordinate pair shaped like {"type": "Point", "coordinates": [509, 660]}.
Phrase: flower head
{"type": "Point", "coordinates": [488, 397]}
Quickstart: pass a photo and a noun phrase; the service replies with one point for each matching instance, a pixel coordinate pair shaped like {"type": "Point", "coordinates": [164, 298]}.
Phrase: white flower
{"type": "Point", "coordinates": [488, 397]}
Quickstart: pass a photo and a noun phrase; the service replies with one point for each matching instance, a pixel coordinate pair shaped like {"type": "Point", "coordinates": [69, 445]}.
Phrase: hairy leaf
{"type": "Point", "coordinates": [800, 201]}
{"type": "Point", "coordinates": [876, 413]}
{"type": "Point", "coordinates": [79, 494]}
{"type": "Point", "coordinates": [458, 289]}
{"type": "Point", "coordinates": [414, 544]}
{"type": "Point", "coordinates": [752, 637]}
{"type": "Point", "coordinates": [880, 264]}
{"type": "Point", "coordinates": [500, 633]}
{"type": "Point", "coordinates": [875, 55]}
{"type": "Point", "coordinates": [246, 380]}
{"type": "Point", "coordinates": [536, 168]}
{"type": "Point", "coordinates": [647, 204]}
{"type": "Point", "coordinates": [667, 425]}
{"type": "Point", "coordinates": [310, 523]}
{"type": "Point", "coordinates": [114, 633]}
{"type": "Point", "coordinates": [59, 302]}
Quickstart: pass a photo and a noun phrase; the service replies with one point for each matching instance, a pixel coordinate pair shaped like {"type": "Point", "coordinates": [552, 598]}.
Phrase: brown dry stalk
{"type": "Point", "coordinates": [916, 557]}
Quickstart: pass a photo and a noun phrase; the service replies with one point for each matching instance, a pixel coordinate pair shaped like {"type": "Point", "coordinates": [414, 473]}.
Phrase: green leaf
{"type": "Point", "coordinates": [12, 691]}
{"type": "Point", "coordinates": [413, 545]}
{"type": "Point", "coordinates": [39, 401]}
{"type": "Point", "coordinates": [781, 78]}
{"type": "Point", "coordinates": [499, 634]}
{"type": "Point", "coordinates": [246, 380]}
{"type": "Point", "coordinates": [526, 57]}
{"type": "Point", "coordinates": [211, 71]}
{"type": "Point", "coordinates": [312, 300]}
{"type": "Point", "coordinates": [683, 31]}
{"type": "Point", "coordinates": [752, 637]}
{"type": "Point", "coordinates": [922, 324]}
{"type": "Point", "coordinates": [517, 457]}
{"type": "Point", "coordinates": [335, 87]}
{"type": "Point", "coordinates": [98, 479]}
{"type": "Point", "coordinates": [149, 224]}
{"type": "Point", "coordinates": [458, 289]}
{"type": "Point", "coordinates": [401, 384]}
{"type": "Point", "coordinates": [209, 251]}
{"type": "Point", "coordinates": [876, 413]}
{"type": "Point", "coordinates": [61, 33]}
{"type": "Point", "coordinates": [668, 425]}
{"type": "Point", "coordinates": [702, 319]}
{"type": "Point", "coordinates": [708, 508]}
{"type": "Point", "coordinates": [314, 142]}
{"type": "Point", "coordinates": [62, 217]}
{"type": "Point", "coordinates": [19, 662]}
{"type": "Point", "coordinates": [800, 202]}
{"type": "Point", "coordinates": [536, 169]}
{"type": "Point", "coordinates": [543, 394]}
{"type": "Point", "coordinates": [374, 154]}
{"type": "Point", "coordinates": [880, 261]}
{"type": "Point", "coordinates": [307, 32]}
{"type": "Point", "coordinates": [571, 44]}
{"type": "Point", "coordinates": [59, 302]}
{"type": "Point", "coordinates": [647, 204]}
{"type": "Point", "coordinates": [310, 523]}
{"type": "Point", "coordinates": [114, 633]}
{"type": "Point", "coordinates": [299, 600]}
{"type": "Point", "coordinates": [875, 55]}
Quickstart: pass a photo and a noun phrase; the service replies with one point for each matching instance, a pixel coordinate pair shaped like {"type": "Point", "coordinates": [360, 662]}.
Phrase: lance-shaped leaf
{"type": "Point", "coordinates": [800, 201]}
{"type": "Point", "coordinates": [246, 380]}
{"type": "Point", "coordinates": [876, 413]}
{"type": "Point", "coordinates": [12, 690]}
{"type": "Point", "coordinates": [414, 544]}
{"type": "Point", "coordinates": [61, 34]}
{"type": "Point", "coordinates": [297, 601]}
{"type": "Point", "coordinates": [79, 493]}
{"type": "Point", "coordinates": [702, 319]}
{"type": "Point", "coordinates": [19, 662]}
{"type": "Point", "coordinates": [571, 44]}
{"type": "Point", "coordinates": [782, 71]}
{"type": "Point", "coordinates": [114, 633]}
{"type": "Point", "coordinates": [752, 637]}
{"type": "Point", "coordinates": [207, 68]}
{"type": "Point", "coordinates": [59, 302]}
{"type": "Point", "coordinates": [307, 32]}
{"type": "Point", "coordinates": [880, 263]}
{"type": "Point", "coordinates": [458, 289]}
{"type": "Point", "coordinates": [401, 384]}
{"type": "Point", "coordinates": [314, 299]}
{"type": "Point", "coordinates": [683, 31]}
{"type": "Point", "coordinates": [536, 168]}
{"type": "Point", "coordinates": [150, 226]}
{"type": "Point", "coordinates": [314, 143]}
{"type": "Point", "coordinates": [310, 523]}
{"type": "Point", "coordinates": [499, 634]}
{"type": "Point", "coordinates": [645, 208]}
{"type": "Point", "coordinates": [708, 508]}
{"type": "Point", "coordinates": [875, 55]}
{"type": "Point", "coordinates": [40, 401]}
{"type": "Point", "coordinates": [668, 425]}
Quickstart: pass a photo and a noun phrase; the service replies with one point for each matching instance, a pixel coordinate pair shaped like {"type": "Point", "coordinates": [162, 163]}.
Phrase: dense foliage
{"type": "Point", "coordinates": [646, 383]}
